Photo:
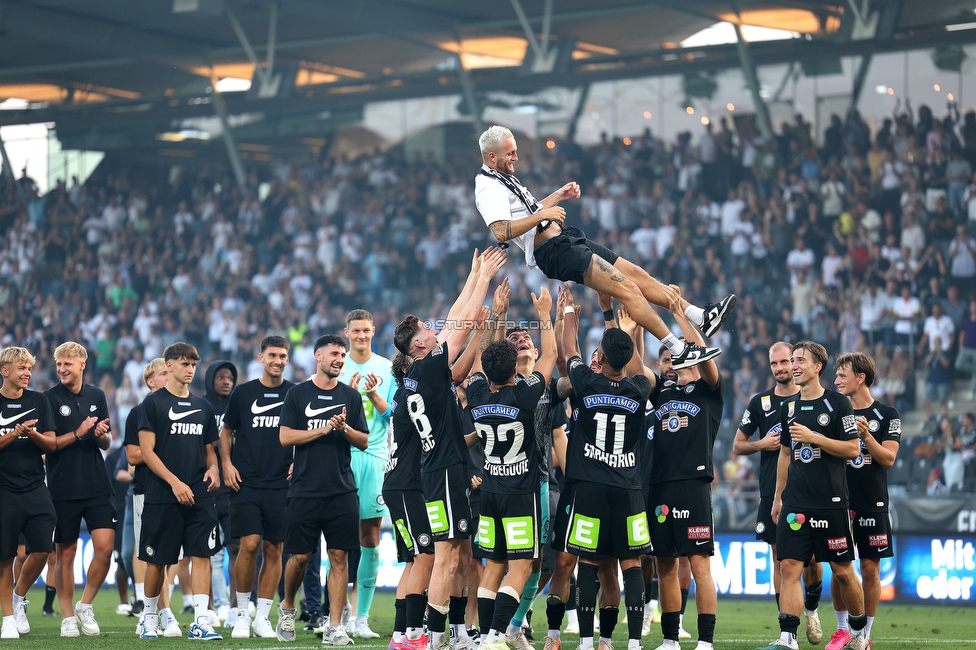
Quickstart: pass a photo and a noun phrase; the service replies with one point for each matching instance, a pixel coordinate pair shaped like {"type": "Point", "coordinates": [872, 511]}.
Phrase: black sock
{"type": "Point", "coordinates": [647, 593]}
{"type": "Point", "coordinates": [670, 622]}
{"type": "Point", "coordinates": [812, 597]}
{"type": "Point", "coordinates": [789, 623]}
{"type": "Point", "coordinates": [857, 623]}
{"type": "Point", "coordinates": [633, 580]}
{"type": "Point", "coordinates": [588, 584]}
{"type": "Point", "coordinates": [654, 589]}
{"type": "Point", "coordinates": [50, 593]}
{"type": "Point", "coordinates": [706, 627]}
{"type": "Point", "coordinates": [416, 605]}
{"type": "Point", "coordinates": [684, 600]}
{"type": "Point", "coordinates": [436, 622]}
{"type": "Point", "coordinates": [777, 602]}
{"type": "Point", "coordinates": [400, 617]}
{"type": "Point", "coordinates": [555, 609]}
{"type": "Point", "coordinates": [608, 621]}
{"type": "Point", "coordinates": [455, 614]}
{"type": "Point", "coordinates": [486, 611]}
{"type": "Point", "coordinates": [505, 608]}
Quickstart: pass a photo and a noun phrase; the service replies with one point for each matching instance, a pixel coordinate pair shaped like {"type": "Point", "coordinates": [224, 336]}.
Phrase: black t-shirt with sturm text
{"type": "Point", "coordinates": [253, 414]}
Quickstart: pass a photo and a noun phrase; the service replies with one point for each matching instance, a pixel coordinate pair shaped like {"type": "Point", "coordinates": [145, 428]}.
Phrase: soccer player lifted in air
{"type": "Point", "coordinates": [762, 416]}
{"type": "Point", "coordinates": [510, 525]}
{"type": "Point", "coordinates": [563, 253]}
{"type": "Point", "coordinates": [879, 427]}
{"type": "Point", "coordinates": [436, 415]}
{"type": "Point", "coordinates": [26, 433]}
{"type": "Point", "coordinates": [256, 470]}
{"type": "Point", "coordinates": [811, 500]}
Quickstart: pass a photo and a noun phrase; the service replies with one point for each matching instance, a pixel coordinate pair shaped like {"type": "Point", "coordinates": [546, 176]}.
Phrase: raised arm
{"type": "Point", "coordinates": [636, 365]}
{"type": "Point", "coordinates": [470, 359]}
{"type": "Point", "coordinates": [708, 369]}
{"type": "Point", "coordinates": [467, 289]}
{"type": "Point", "coordinates": [570, 327]}
{"type": "Point", "coordinates": [547, 336]}
{"type": "Point", "coordinates": [455, 331]}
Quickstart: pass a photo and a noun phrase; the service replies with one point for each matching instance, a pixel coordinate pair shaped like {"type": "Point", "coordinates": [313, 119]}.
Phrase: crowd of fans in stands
{"type": "Point", "coordinates": [859, 242]}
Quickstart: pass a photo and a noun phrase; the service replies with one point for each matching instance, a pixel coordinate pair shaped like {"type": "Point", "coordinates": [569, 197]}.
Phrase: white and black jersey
{"type": "Point", "coordinates": [131, 437]}
{"type": "Point", "coordinates": [687, 422]}
{"type": "Point", "coordinates": [253, 414]}
{"type": "Point", "coordinates": [434, 410]}
{"type": "Point", "coordinates": [80, 463]}
{"type": "Point", "coordinates": [403, 468]}
{"type": "Point", "coordinates": [867, 481]}
{"type": "Point", "coordinates": [184, 426]}
{"type": "Point", "coordinates": [762, 417]}
{"type": "Point", "coordinates": [21, 466]}
{"type": "Point", "coordinates": [505, 422]}
{"type": "Point", "coordinates": [322, 466]}
{"type": "Point", "coordinates": [817, 479]}
{"type": "Point", "coordinates": [608, 424]}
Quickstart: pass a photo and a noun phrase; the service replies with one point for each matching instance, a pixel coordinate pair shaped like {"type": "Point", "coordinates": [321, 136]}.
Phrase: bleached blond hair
{"type": "Point", "coordinates": [152, 368]}
{"type": "Point", "coordinates": [14, 354]}
{"type": "Point", "coordinates": [71, 349]}
{"type": "Point", "coordinates": [493, 138]}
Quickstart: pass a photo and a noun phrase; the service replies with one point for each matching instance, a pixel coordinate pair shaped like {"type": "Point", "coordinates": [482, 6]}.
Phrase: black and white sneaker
{"type": "Point", "coordinates": [715, 315]}
{"type": "Point", "coordinates": [692, 355]}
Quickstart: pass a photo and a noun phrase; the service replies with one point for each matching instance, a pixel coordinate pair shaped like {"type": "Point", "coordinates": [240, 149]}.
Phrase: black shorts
{"type": "Point", "coordinates": [567, 256]}
{"type": "Point", "coordinates": [446, 494]}
{"type": "Point", "coordinates": [680, 516]}
{"type": "Point", "coordinates": [29, 514]}
{"type": "Point", "coordinates": [166, 527]}
{"type": "Point", "coordinates": [765, 528]}
{"type": "Point", "coordinates": [98, 512]}
{"type": "Point", "coordinates": [510, 526]}
{"type": "Point", "coordinates": [872, 535]}
{"type": "Point", "coordinates": [308, 519]}
{"type": "Point", "coordinates": [804, 533]}
{"type": "Point", "coordinates": [411, 528]}
{"type": "Point", "coordinates": [597, 521]}
{"type": "Point", "coordinates": [474, 503]}
{"type": "Point", "coordinates": [226, 532]}
{"type": "Point", "coordinates": [258, 512]}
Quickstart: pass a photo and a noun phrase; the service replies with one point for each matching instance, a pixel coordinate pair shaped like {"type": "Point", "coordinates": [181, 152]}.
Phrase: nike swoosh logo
{"type": "Point", "coordinates": [311, 413]}
{"type": "Point", "coordinates": [258, 410]}
{"type": "Point", "coordinates": [173, 415]}
{"type": "Point", "coordinates": [768, 413]}
{"type": "Point", "coordinates": [5, 421]}
{"type": "Point", "coordinates": [702, 541]}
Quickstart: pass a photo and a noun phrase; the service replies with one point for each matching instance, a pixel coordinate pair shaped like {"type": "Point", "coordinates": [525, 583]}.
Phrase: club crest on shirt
{"type": "Point", "coordinates": [766, 402]}
{"type": "Point", "coordinates": [873, 426]}
{"type": "Point", "coordinates": [65, 410]}
{"type": "Point", "coordinates": [823, 419]}
{"type": "Point", "coordinates": [791, 409]}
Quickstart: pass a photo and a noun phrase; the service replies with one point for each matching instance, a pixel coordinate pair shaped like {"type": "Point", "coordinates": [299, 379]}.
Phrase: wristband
{"type": "Point", "coordinates": [75, 433]}
{"type": "Point", "coordinates": [569, 309]}
{"type": "Point", "coordinates": [608, 315]}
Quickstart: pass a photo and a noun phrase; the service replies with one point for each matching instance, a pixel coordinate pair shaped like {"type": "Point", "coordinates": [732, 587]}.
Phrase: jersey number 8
{"type": "Point", "coordinates": [415, 408]}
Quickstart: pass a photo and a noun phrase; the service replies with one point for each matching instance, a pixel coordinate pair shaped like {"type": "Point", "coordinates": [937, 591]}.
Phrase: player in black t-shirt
{"type": "Point", "coordinates": [762, 417]}
{"type": "Point", "coordinates": [26, 433]}
{"type": "Point", "coordinates": [606, 517]}
{"type": "Point", "coordinates": [879, 428]}
{"type": "Point", "coordinates": [177, 432]}
{"type": "Point", "coordinates": [321, 418]}
{"type": "Point", "coordinates": [810, 504]}
{"type": "Point", "coordinates": [510, 526]}
{"type": "Point", "coordinates": [435, 413]}
{"type": "Point", "coordinates": [256, 471]}
{"type": "Point", "coordinates": [155, 375]}
{"type": "Point", "coordinates": [80, 487]}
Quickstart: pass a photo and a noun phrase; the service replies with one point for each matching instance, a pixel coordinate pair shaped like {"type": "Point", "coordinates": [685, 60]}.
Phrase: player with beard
{"type": "Point", "coordinates": [370, 374]}
{"type": "Point", "coordinates": [762, 417]}
{"type": "Point", "coordinates": [322, 418]}
{"type": "Point", "coordinates": [26, 433]}
{"type": "Point", "coordinates": [503, 406]}
{"type": "Point", "coordinates": [563, 252]}
{"type": "Point", "coordinates": [177, 433]}
{"type": "Point", "coordinates": [256, 471]}
{"type": "Point", "coordinates": [811, 500]}
{"type": "Point", "coordinates": [156, 376]}
{"type": "Point", "coordinates": [436, 415]}
{"type": "Point", "coordinates": [879, 428]}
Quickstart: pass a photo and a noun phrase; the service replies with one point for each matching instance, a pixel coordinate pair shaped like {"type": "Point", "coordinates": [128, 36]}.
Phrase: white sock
{"type": "Point", "coordinates": [201, 605]}
{"type": "Point", "coordinates": [17, 600]}
{"type": "Point", "coordinates": [82, 605]}
{"type": "Point", "coordinates": [695, 314]}
{"type": "Point", "coordinates": [807, 612]}
{"type": "Point", "coordinates": [867, 628]}
{"type": "Point", "coordinates": [397, 637]}
{"type": "Point", "coordinates": [572, 616]}
{"type": "Point", "coordinates": [436, 639]}
{"type": "Point", "coordinates": [8, 620]}
{"type": "Point", "coordinates": [788, 638]}
{"type": "Point", "coordinates": [141, 591]}
{"type": "Point", "coordinates": [414, 633]}
{"type": "Point", "coordinates": [633, 644]}
{"type": "Point", "coordinates": [187, 600]}
{"type": "Point", "coordinates": [512, 630]}
{"type": "Point", "coordinates": [243, 598]}
{"type": "Point", "coordinates": [151, 604]}
{"type": "Point", "coordinates": [264, 608]}
{"type": "Point", "coordinates": [170, 590]}
{"type": "Point", "coordinates": [681, 621]}
{"type": "Point", "coordinates": [674, 344]}
{"type": "Point", "coordinates": [841, 620]}
{"type": "Point", "coordinates": [586, 642]}
{"type": "Point", "coordinates": [653, 604]}
{"type": "Point", "coordinates": [165, 616]}
{"type": "Point", "coordinates": [554, 634]}
{"type": "Point", "coordinates": [462, 632]}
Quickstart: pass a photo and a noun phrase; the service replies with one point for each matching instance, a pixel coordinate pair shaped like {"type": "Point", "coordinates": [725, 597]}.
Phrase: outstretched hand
{"type": "Point", "coordinates": [570, 190]}
{"type": "Point", "coordinates": [673, 295]}
{"type": "Point", "coordinates": [605, 301]}
{"type": "Point", "coordinates": [543, 303]}
{"type": "Point", "coordinates": [492, 260]}
{"type": "Point", "coordinates": [499, 302]}
{"type": "Point", "coordinates": [624, 321]}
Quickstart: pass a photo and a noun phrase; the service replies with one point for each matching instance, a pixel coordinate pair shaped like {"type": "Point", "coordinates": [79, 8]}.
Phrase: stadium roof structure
{"type": "Point", "coordinates": [117, 74]}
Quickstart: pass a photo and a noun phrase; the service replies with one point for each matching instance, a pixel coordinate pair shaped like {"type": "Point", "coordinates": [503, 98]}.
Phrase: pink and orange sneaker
{"type": "Point", "coordinates": [838, 640]}
{"type": "Point", "coordinates": [419, 644]}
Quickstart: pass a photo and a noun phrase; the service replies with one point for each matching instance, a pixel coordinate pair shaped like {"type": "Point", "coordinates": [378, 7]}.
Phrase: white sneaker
{"type": "Point", "coordinates": [241, 624]}
{"type": "Point", "coordinates": [171, 627]}
{"type": "Point", "coordinates": [9, 630]}
{"type": "Point", "coordinates": [362, 631]}
{"type": "Point", "coordinates": [252, 610]}
{"type": "Point", "coordinates": [223, 612]}
{"type": "Point", "coordinates": [336, 635]}
{"type": "Point", "coordinates": [124, 609]}
{"type": "Point", "coordinates": [69, 628]}
{"type": "Point", "coordinates": [263, 629]}
{"type": "Point", "coordinates": [149, 625]}
{"type": "Point", "coordinates": [231, 620]}
{"type": "Point", "coordinates": [202, 630]}
{"type": "Point", "coordinates": [813, 628]}
{"type": "Point", "coordinates": [646, 625]}
{"type": "Point", "coordinates": [86, 619]}
{"type": "Point", "coordinates": [572, 627]}
{"type": "Point", "coordinates": [212, 618]}
{"type": "Point", "coordinates": [20, 618]}
{"type": "Point", "coordinates": [518, 641]}
{"type": "Point", "coordinates": [683, 633]}
{"type": "Point", "coordinates": [348, 620]}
